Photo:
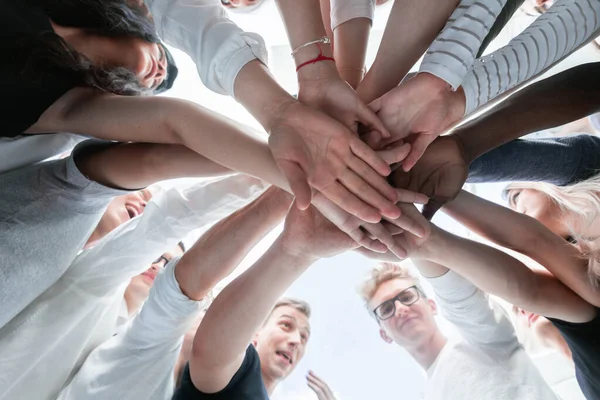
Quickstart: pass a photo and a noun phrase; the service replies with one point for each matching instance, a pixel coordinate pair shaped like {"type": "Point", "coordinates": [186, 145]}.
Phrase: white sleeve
{"type": "Point", "coordinates": [345, 10]}
{"type": "Point", "coordinates": [201, 29]}
{"type": "Point", "coordinates": [130, 249]}
{"type": "Point", "coordinates": [138, 361]}
{"type": "Point", "coordinates": [565, 27]}
{"type": "Point", "coordinates": [451, 55]}
{"type": "Point", "coordinates": [479, 321]}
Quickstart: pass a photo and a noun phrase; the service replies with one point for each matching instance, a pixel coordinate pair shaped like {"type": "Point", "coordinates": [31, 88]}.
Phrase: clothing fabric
{"type": "Point", "coordinates": [452, 54]}
{"type": "Point", "coordinates": [584, 341]}
{"type": "Point", "coordinates": [559, 161]}
{"type": "Point", "coordinates": [246, 384]}
{"type": "Point", "coordinates": [201, 29]}
{"type": "Point", "coordinates": [489, 363]}
{"type": "Point", "coordinates": [21, 151]}
{"type": "Point", "coordinates": [138, 362]}
{"type": "Point", "coordinates": [565, 27]}
{"type": "Point", "coordinates": [559, 373]}
{"type": "Point", "coordinates": [345, 10]}
{"type": "Point", "coordinates": [49, 340]}
{"type": "Point", "coordinates": [504, 18]}
{"type": "Point", "coordinates": [27, 95]}
{"type": "Point", "coordinates": [47, 213]}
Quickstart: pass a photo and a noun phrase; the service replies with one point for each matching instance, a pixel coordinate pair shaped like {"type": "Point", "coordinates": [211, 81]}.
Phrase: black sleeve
{"type": "Point", "coordinates": [246, 384]}
{"type": "Point", "coordinates": [584, 341]}
{"type": "Point", "coordinates": [559, 161]}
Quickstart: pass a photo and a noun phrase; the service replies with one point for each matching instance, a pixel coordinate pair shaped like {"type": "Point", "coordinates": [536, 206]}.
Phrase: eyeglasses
{"type": "Point", "coordinates": [408, 297]}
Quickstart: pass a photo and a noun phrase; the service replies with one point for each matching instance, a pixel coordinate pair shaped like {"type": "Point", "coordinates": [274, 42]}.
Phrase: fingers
{"type": "Point", "coordinates": [298, 182]}
{"type": "Point", "coordinates": [369, 195]}
{"type": "Point", "coordinates": [418, 147]}
{"type": "Point", "coordinates": [369, 156]}
{"type": "Point", "coordinates": [313, 379]}
{"type": "Point", "coordinates": [376, 105]}
{"type": "Point", "coordinates": [368, 118]}
{"type": "Point", "coordinates": [432, 207]}
{"type": "Point", "coordinates": [409, 223]}
{"type": "Point", "coordinates": [395, 154]}
{"type": "Point", "coordinates": [379, 232]}
{"type": "Point", "coordinates": [359, 236]}
{"type": "Point", "coordinates": [351, 203]}
{"type": "Point", "coordinates": [376, 181]}
{"type": "Point", "coordinates": [407, 196]}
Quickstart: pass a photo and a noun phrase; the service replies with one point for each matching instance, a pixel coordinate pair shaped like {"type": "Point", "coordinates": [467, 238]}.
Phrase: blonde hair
{"type": "Point", "coordinates": [581, 202]}
{"type": "Point", "coordinates": [299, 305]}
{"type": "Point", "coordinates": [380, 274]}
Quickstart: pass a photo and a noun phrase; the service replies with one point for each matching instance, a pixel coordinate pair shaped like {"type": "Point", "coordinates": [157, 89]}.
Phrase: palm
{"type": "Point", "coordinates": [309, 232]}
{"type": "Point", "coordinates": [439, 174]}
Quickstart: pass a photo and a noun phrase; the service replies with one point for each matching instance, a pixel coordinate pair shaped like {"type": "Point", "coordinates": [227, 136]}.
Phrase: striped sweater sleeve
{"type": "Point", "coordinates": [565, 27]}
{"type": "Point", "coordinates": [452, 54]}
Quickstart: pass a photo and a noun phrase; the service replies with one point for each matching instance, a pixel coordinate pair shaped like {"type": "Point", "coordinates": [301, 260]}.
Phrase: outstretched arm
{"type": "Point", "coordinates": [220, 250]}
{"type": "Point", "coordinates": [242, 306]}
{"type": "Point", "coordinates": [499, 274]}
{"type": "Point", "coordinates": [525, 235]}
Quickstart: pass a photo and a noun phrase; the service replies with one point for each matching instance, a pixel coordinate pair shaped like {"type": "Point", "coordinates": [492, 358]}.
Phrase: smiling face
{"type": "Point", "coordinates": [281, 341]}
{"type": "Point", "coordinates": [120, 210]}
{"type": "Point", "coordinates": [410, 325]}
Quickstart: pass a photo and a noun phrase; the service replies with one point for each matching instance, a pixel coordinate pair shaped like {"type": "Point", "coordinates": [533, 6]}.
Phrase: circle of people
{"type": "Point", "coordinates": [345, 162]}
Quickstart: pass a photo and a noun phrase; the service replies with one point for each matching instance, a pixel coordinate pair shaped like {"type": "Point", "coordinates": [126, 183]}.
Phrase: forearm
{"type": "Point", "coordinates": [429, 269]}
{"type": "Point", "coordinates": [501, 225]}
{"type": "Point", "coordinates": [350, 49]}
{"type": "Point", "coordinates": [555, 101]}
{"type": "Point", "coordinates": [137, 165]}
{"type": "Point", "coordinates": [559, 161]}
{"type": "Point", "coordinates": [566, 26]}
{"type": "Point", "coordinates": [497, 273]}
{"type": "Point", "coordinates": [241, 308]}
{"type": "Point", "coordinates": [220, 250]}
{"type": "Point", "coordinates": [413, 24]}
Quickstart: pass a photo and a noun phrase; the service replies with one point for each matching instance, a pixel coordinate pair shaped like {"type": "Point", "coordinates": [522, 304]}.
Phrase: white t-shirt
{"type": "Point", "coordinates": [45, 344]}
{"type": "Point", "coordinates": [489, 363]}
{"type": "Point", "coordinates": [138, 363]}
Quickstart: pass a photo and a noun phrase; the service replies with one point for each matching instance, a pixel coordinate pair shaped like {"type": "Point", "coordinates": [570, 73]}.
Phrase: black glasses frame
{"type": "Point", "coordinates": [393, 300]}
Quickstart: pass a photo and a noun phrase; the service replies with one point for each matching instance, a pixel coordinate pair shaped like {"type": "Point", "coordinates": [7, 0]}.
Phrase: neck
{"type": "Point", "coordinates": [134, 302]}
{"type": "Point", "coordinates": [426, 352]}
{"type": "Point", "coordinates": [270, 383]}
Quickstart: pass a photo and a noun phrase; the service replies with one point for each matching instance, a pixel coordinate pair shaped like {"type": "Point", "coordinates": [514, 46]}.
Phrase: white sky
{"type": "Point", "coordinates": [345, 348]}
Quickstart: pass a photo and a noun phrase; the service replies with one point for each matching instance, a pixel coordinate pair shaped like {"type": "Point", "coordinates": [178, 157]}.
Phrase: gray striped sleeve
{"type": "Point", "coordinates": [452, 54]}
{"type": "Point", "coordinates": [566, 26]}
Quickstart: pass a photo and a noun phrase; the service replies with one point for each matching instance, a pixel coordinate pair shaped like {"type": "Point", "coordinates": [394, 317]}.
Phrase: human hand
{"type": "Point", "coordinates": [307, 233]}
{"type": "Point", "coordinates": [323, 89]}
{"type": "Point", "coordinates": [313, 149]}
{"type": "Point", "coordinates": [404, 238]}
{"type": "Point", "coordinates": [319, 386]}
{"type": "Point", "coordinates": [369, 235]}
{"type": "Point", "coordinates": [440, 174]}
{"type": "Point", "coordinates": [419, 110]}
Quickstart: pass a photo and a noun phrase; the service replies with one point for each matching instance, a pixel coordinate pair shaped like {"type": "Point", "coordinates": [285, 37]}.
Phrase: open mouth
{"type": "Point", "coordinates": [285, 356]}
{"type": "Point", "coordinates": [132, 210]}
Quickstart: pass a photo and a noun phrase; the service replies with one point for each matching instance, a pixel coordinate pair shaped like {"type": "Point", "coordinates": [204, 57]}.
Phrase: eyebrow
{"type": "Point", "coordinates": [295, 320]}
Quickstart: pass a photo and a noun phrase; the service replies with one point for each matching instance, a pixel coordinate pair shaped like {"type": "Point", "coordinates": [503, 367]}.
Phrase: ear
{"type": "Point", "coordinates": [255, 339]}
{"type": "Point", "coordinates": [432, 306]}
{"type": "Point", "coordinates": [385, 337]}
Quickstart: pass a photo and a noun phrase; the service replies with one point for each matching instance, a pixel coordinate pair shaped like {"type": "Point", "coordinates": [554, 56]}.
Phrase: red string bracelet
{"type": "Point", "coordinates": [318, 58]}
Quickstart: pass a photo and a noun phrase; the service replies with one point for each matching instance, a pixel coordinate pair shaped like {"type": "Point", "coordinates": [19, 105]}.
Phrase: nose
{"type": "Point", "coordinates": [401, 309]}
{"type": "Point", "coordinates": [294, 339]}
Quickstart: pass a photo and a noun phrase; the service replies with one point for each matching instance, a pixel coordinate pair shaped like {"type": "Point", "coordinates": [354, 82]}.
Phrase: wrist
{"type": "Point", "coordinates": [429, 247]}
{"type": "Point", "coordinates": [293, 252]}
{"type": "Point", "coordinates": [323, 69]}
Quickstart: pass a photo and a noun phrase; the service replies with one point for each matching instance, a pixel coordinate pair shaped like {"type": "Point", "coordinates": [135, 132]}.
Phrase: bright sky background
{"type": "Point", "coordinates": [345, 348]}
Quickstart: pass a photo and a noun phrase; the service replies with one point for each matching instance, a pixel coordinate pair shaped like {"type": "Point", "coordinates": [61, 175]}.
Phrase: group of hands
{"type": "Point", "coordinates": [336, 152]}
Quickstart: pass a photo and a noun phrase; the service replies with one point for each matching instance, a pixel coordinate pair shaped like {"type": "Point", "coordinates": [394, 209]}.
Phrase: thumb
{"type": "Point", "coordinates": [376, 105]}
{"type": "Point", "coordinates": [418, 147]}
{"type": "Point", "coordinates": [298, 183]}
{"type": "Point", "coordinates": [432, 207]}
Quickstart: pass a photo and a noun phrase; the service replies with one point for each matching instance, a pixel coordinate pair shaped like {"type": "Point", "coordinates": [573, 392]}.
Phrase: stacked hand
{"type": "Point", "coordinates": [417, 111]}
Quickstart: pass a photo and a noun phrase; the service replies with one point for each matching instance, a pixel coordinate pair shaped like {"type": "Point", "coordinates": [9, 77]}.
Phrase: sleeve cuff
{"type": "Point", "coordinates": [471, 94]}
{"type": "Point", "coordinates": [346, 12]}
{"type": "Point", "coordinates": [253, 49]}
{"type": "Point", "coordinates": [452, 286]}
{"type": "Point", "coordinates": [451, 77]}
